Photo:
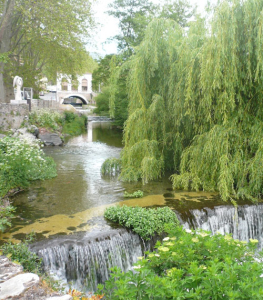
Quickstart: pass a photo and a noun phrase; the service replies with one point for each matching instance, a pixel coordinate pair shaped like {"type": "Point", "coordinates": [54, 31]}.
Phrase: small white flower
{"type": "Point", "coordinates": [166, 239]}
{"type": "Point", "coordinates": [136, 267]}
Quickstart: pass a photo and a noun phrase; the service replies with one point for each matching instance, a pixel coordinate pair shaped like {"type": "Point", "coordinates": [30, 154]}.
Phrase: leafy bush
{"type": "Point", "coordinates": [145, 222]}
{"type": "Point", "coordinates": [191, 265]}
{"type": "Point", "coordinates": [22, 161]}
{"type": "Point", "coordinates": [136, 194]}
{"type": "Point", "coordinates": [6, 213]}
{"type": "Point", "coordinates": [20, 253]}
{"type": "Point", "coordinates": [49, 119]}
{"type": "Point", "coordinates": [102, 102]}
{"type": "Point", "coordinates": [74, 124]}
{"type": "Point", "coordinates": [111, 166]}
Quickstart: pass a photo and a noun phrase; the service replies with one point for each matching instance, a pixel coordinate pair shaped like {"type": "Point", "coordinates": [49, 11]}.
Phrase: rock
{"type": "Point", "coordinates": [8, 269]}
{"type": "Point", "coordinates": [17, 285]}
{"type": "Point", "coordinates": [50, 139]}
{"type": "Point", "coordinates": [33, 129]}
{"type": "Point", "coordinates": [23, 133]}
{"type": "Point", "coordinates": [2, 136]}
{"type": "Point", "coordinates": [65, 297]}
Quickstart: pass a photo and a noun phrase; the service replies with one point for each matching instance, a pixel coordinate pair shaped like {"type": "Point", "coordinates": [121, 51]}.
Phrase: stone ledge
{"type": "Point", "coordinates": [15, 285]}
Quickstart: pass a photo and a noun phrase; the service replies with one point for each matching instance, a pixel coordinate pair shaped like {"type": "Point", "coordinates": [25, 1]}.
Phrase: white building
{"type": "Point", "coordinates": [80, 88]}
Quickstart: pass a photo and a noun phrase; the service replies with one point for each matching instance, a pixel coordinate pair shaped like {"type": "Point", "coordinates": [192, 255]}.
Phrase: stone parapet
{"type": "Point", "coordinates": [12, 115]}
{"type": "Point", "coordinates": [44, 104]}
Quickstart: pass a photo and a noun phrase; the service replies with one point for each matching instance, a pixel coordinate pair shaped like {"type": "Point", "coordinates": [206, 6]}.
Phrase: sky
{"type": "Point", "coordinates": [109, 27]}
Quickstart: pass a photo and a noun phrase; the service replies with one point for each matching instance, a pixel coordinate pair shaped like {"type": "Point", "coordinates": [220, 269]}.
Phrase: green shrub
{"type": "Point", "coordinates": [20, 253]}
{"type": "Point", "coordinates": [102, 102]}
{"type": "Point", "coordinates": [145, 222]}
{"type": "Point", "coordinates": [21, 161]}
{"type": "Point", "coordinates": [48, 119]}
{"type": "Point", "coordinates": [6, 213]}
{"type": "Point", "coordinates": [191, 265]}
{"type": "Point", "coordinates": [111, 166]}
{"type": "Point", "coordinates": [136, 194]}
{"type": "Point", "coordinates": [74, 124]}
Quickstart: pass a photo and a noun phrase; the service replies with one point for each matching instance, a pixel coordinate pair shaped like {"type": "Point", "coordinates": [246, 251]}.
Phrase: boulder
{"type": "Point", "coordinates": [8, 269]}
{"type": "Point", "coordinates": [17, 285]}
{"type": "Point", "coordinates": [50, 139]}
{"type": "Point", "coordinates": [23, 133]}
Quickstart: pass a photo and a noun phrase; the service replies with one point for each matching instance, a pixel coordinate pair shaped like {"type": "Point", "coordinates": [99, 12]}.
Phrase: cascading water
{"type": "Point", "coordinates": [85, 262]}
{"type": "Point", "coordinates": [243, 222]}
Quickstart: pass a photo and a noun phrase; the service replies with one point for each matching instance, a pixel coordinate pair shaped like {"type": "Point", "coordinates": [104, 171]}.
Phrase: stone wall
{"type": "Point", "coordinates": [12, 115]}
{"type": "Point", "coordinates": [46, 104]}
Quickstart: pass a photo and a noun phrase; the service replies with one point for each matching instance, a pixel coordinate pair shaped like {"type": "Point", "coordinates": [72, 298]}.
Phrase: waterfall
{"type": "Point", "coordinates": [86, 262]}
{"type": "Point", "coordinates": [83, 260]}
{"type": "Point", "coordinates": [243, 222]}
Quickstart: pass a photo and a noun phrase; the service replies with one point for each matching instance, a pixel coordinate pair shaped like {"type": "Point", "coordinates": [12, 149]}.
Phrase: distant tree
{"type": "Point", "coordinates": [133, 18]}
{"type": "Point", "coordinates": [101, 74]}
{"type": "Point", "coordinates": [135, 15]}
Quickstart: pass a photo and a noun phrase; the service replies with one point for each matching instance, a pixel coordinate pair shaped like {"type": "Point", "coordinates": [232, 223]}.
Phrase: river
{"type": "Point", "coordinates": [66, 213]}
{"type": "Point", "coordinates": [80, 193]}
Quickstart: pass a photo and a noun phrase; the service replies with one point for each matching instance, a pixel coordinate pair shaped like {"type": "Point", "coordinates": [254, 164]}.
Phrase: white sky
{"type": "Point", "coordinates": [109, 27]}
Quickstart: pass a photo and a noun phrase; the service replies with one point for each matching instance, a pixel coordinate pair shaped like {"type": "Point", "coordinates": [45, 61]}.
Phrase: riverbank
{"type": "Point", "coordinates": [21, 156]}
{"type": "Point", "coordinates": [16, 284]}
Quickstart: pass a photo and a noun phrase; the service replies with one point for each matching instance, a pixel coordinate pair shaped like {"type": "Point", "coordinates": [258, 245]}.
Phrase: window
{"type": "Point", "coordinates": [84, 85]}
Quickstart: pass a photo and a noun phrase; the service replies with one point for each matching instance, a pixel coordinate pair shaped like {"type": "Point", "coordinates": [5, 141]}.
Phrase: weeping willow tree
{"type": "Point", "coordinates": [196, 103]}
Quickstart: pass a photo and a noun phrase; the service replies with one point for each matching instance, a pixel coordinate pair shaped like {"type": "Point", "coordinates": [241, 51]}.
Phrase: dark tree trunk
{"type": "Point", "coordinates": [6, 90]}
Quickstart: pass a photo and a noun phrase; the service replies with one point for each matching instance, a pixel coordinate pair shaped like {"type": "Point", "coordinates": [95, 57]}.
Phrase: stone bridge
{"type": "Point", "coordinates": [79, 90]}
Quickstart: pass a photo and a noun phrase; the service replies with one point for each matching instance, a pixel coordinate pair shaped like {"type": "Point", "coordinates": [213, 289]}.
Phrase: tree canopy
{"type": "Point", "coordinates": [43, 36]}
{"type": "Point", "coordinates": [195, 103]}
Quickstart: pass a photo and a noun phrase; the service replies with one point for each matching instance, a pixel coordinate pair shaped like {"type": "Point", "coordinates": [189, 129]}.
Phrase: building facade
{"type": "Point", "coordinates": [79, 88]}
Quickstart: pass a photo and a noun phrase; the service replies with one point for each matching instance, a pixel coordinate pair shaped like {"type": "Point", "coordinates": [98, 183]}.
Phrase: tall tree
{"type": "Point", "coordinates": [101, 74]}
{"type": "Point", "coordinates": [46, 35]}
{"type": "Point", "coordinates": [196, 105]}
{"type": "Point", "coordinates": [133, 18]}
{"type": "Point", "coordinates": [6, 21]}
{"type": "Point", "coordinates": [135, 15]}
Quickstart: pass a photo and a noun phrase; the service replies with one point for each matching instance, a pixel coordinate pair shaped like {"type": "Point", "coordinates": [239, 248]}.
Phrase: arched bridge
{"type": "Point", "coordinates": [75, 91]}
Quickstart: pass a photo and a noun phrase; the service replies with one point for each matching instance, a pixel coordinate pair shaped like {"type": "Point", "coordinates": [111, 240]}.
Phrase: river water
{"type": "Point", "coordinates": [80, 193]}
{"type": "Point", "coordinates": [76, 243]}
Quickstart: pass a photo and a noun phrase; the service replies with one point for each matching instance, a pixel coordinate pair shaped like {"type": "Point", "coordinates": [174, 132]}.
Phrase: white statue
{"type": "Point", "coordinates": [18, 82]}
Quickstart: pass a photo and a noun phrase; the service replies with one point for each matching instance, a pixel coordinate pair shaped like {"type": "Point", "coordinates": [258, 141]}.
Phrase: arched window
{"type": "Point", "coordinates": [64, 84]}
{"type": "Point", "coordinates": [84, 85]}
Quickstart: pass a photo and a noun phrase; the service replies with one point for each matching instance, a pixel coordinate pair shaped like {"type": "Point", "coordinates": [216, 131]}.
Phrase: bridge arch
{"type": "Point", "coordinates": [83, 99]}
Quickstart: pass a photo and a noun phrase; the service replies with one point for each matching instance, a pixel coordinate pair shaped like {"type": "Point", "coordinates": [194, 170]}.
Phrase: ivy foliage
{"type": "Point", "coordinates": [195, 103]}
{"type": "Point", "coordinates": [191, 265]}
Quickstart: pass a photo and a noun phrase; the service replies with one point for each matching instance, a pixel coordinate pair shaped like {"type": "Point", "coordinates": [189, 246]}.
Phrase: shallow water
{"type": "Point", "coordinates": [76, 199]}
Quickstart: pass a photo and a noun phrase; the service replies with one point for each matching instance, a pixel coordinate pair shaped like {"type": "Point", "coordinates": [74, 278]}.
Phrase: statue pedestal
{"type": "Point", "coordinates": [18, 102]}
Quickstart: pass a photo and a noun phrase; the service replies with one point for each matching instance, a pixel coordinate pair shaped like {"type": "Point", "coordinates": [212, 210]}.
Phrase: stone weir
{"type": "Point", "coordinates": [83, 260]}
{"type": "Point", "coordinates": [243, 222]}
